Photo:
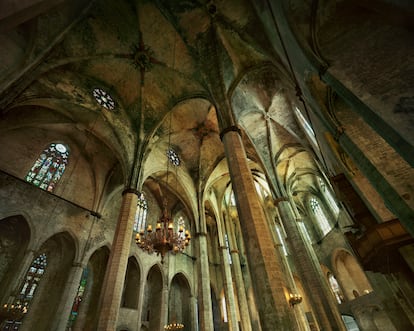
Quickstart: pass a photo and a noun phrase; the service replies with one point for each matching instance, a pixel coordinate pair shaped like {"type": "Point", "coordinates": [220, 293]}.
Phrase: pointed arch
{"type": "Point", "coordinates": [87, 312]}
{"type": "Point", "coordinates": [131, 285]}
{"type": "Point", "coordinates": [15, 236]}
{"type": "Point", "coordinates": [179, 301]}
{"type": "Point", "coordinates": [151, 314]}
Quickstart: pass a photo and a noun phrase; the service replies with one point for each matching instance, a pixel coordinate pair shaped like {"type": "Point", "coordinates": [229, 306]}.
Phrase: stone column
{"type": "Point", "coordinates": [228, 290]}
{"type": "Point", "coordinates": [205, 307]}
{"type": "Point", "coordinates": [164, 307]}
{"type": "Point", "coordinates": [117, 264]}
{"type": "Point", "coordinates": [228, 280]}
{"type": "Point", "coordinates": [307, 265]}
{"type": "Point", "coordinates": [193, 312]}
{"type": "Point", "coordinates": [247, 281]}
{"type": "Point", "coordinates": [142, 283]}
{"type": "Point", "coordinates": [246, 324]}
{"type": "Point", "coordinates": [68, 296]}
{"type": "Point", "coordinates": [265, 262]}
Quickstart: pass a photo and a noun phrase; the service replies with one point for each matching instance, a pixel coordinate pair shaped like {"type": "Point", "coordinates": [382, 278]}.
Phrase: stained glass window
{"type": "Point", "coordinates": [33, 276]}
{"type": "Point", "coordinates": [320, 216]}
{"type": "Point", "coordinates": [173, 157]}
{"type": "Point", "coordinates": [103, 98]}
{"type": "Point", "coordinates": [78, 299]}
{"type": "Point", "coordinates": [27, 291]}
{"type": "Point", "coordinates": [49, 167]}
{"type": "Point", "coordinates": [141, 214]}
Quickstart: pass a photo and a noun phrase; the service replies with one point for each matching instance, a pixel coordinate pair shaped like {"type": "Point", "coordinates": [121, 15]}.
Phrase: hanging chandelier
{"type": "Point", "coordinates": [164, 239]}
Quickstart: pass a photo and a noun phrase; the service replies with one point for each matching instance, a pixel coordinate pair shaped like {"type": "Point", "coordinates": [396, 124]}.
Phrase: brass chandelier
{"type": "Point", "coordinates": [164, 239]}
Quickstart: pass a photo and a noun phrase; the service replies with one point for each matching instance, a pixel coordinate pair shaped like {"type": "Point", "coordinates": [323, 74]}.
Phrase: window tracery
{"type": "Point", "coordinates": [320, 216]}
{"type": "Point", "coordinates": [141, 214]}
{"type": "Point", "coordinates": [32, 279]}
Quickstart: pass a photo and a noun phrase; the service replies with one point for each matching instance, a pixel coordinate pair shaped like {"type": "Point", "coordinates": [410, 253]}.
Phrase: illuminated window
{"type": "Point", "coordinates": [232, 199]}
{"type": "Point", "coordinates": [224, 308]}
{"type": "Point", "coordinates": [282, 240]}
{"type": "Point", "coordinates": [27, 291]}
{"type": "Point", "coordinates": [141, 214]}
{"type": "Point", "coordinates": [320, 216]}
{"type": "Point", "coordinates": [335, 288]}
{"type": "Point", "coordinates": [306, 126]}
{"type": "Point", "coordinates": [329, 197]}
{"type": "Point", "coordinates": [173, 157]}
{"type": "Point", "coordinates": [78, 299]}
{"type": "Point", "coordinates": [226, 240]}
{"type": "Point", "coordinates": [49, 167]}
{"type": "Point", "coordinates": [32, 279]}
{"type": "Point", "coordinates": [103, 98]}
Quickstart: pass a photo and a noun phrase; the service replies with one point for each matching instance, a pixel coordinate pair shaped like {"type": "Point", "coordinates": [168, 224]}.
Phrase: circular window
{"type": "Point", "coordinates": [104, 99]}
{"type": "Point", "coordinates": [61, 148]}
{"type": "Point", "coordinates": [173, 157]}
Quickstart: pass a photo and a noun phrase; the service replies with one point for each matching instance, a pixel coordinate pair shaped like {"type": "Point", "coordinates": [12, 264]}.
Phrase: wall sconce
{"type": "Point", "coordinates": [294, 299]}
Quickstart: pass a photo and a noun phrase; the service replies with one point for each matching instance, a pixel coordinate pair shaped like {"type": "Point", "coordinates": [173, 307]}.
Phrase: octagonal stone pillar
{"type": "Point", "coordinates": [270, 285]}
{"type": "Point", "coordinates": [118, 259]}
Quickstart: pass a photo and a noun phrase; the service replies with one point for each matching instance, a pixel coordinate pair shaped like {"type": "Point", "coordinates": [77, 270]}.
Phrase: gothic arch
{"type": "Point", "coordinates": [153, 298]}
{"type": "Point", "coordinates": [179, 301]}
{"type": "Point", "coordinates": [60, 250]}
{"type": "Point", "coordinates": [15, 236]}
{"type": "Point", "coordinates": [131, 289]}
{"type": "Point", "coordinates": [87, 318]}
{"type": "Point", "coordinates": [349, 274]}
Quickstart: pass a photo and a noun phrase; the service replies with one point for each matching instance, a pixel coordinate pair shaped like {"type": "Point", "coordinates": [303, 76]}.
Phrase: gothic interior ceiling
{"type": "Point", "coordinates": [164, 64]}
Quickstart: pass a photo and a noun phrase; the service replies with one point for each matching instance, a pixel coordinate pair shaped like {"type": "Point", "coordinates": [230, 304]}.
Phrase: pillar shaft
{"type": "Point", "coordinates": [238, 277]}
{"type": "Point", "coordinates": [307, 265]}
{"type": "Point", "coordinates": [247, 281]}
{"type": "Point", "coordinates": [228, 279]}
{"type": "Point", "coordinates": [228, 289]}
{"type": "Point", "coordinates": [164, 307]}
{"type": "Point", "coordinates": [206, 307]}
{"type": "Point", "coordinates": [68, 296]}
{"type": "Point", "coordinates": [265, 262]}
{"type": "Point", "coordinates": [117, 264]}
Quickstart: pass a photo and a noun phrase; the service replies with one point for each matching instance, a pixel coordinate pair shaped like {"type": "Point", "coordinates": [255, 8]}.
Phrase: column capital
{"type": "Point", "coordinates": [234, 128]}
{"type": "Point", "coordinates": [130, 190]}
{"type": "Point", "coordinates": [280, 199]}
{"type": "Point", "coordinates": [201, 234]}
{"type": "Point", "coordinates": [234, 251]}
